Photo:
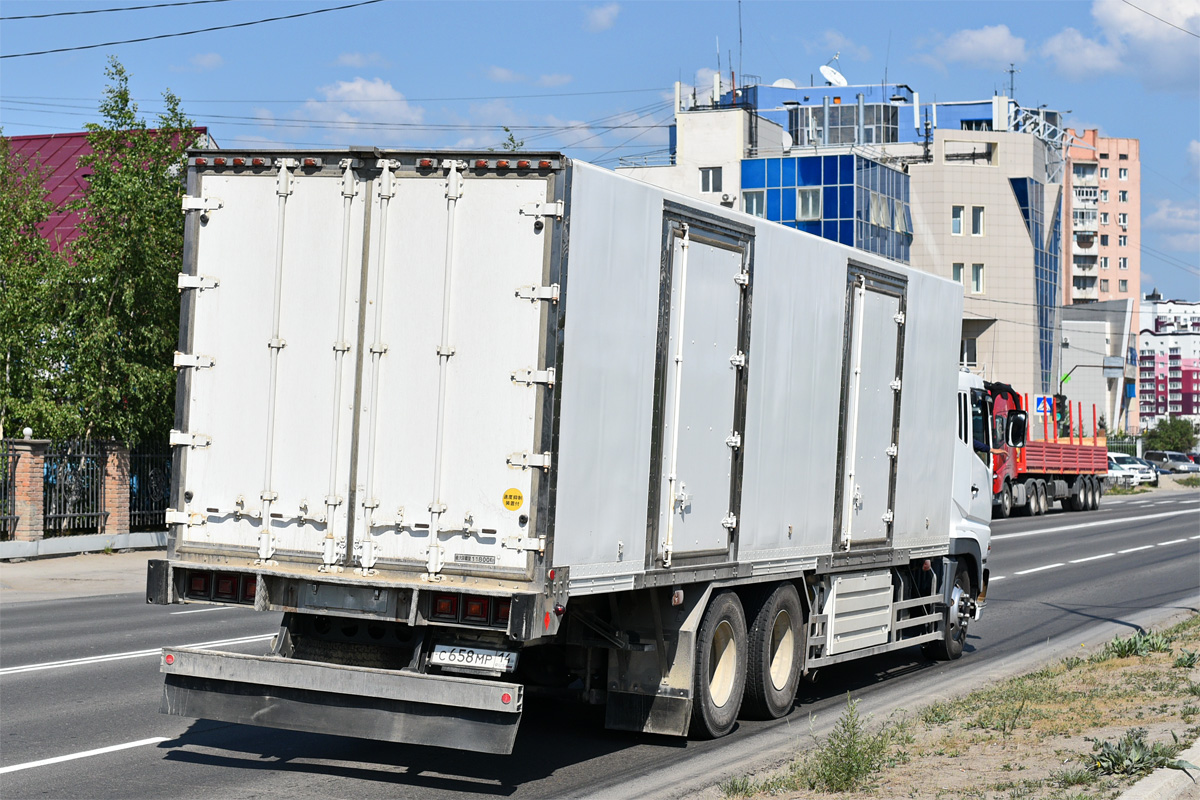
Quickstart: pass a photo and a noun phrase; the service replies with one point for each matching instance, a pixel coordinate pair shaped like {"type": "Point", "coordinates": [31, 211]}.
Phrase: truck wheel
{"type": "Point", "coordinates": [1097, 492]}
{"type": "Point", "coordinates": [720, 668]}
{"type": "Point", "coordinates": [1003, 508]}
{"type": "Point", "coordinates": [1039, 502]}
{"type": "Point", "coordinates": [954, 628]}
{"type": "Point", "coordinates": [1030, 507]}
{"type": "Point", "coordinates": [774, 656]}
{"type": "Point", "coordinates": [1078, 499]}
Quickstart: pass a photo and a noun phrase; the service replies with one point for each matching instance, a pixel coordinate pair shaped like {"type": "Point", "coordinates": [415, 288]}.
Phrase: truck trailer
{"type": "Point", "coordinates": [483, 425]}
{"type": "Point", "coordinates": [1057, 463]}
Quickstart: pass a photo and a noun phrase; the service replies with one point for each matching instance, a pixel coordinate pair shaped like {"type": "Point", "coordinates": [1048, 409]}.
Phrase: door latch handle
{"type": "Point", "coordinates": [974, 490]}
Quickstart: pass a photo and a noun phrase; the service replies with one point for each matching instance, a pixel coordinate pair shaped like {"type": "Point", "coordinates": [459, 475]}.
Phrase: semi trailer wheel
{"type": "Point", "coordinates": [774, 657]}
{"type": "Point", "coordinates": [720, 668]}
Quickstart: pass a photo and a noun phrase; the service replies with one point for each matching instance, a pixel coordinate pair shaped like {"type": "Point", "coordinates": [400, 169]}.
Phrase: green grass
{"type": "Point", "coordinates": [1191, 481]}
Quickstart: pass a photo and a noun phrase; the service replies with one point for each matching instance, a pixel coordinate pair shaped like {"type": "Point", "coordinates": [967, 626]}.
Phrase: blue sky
{"type": "Point", "coordinates": [595, 79]}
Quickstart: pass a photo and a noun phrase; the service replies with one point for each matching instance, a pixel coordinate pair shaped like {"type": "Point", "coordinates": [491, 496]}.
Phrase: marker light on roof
{"type": "Point", "coordinates": [522, 165]}
{"type": "Point", "coordinates": [501, 165]}
{"type": "Point", "coordinates": [239, 162]}
{"type": "Point", "coordinates": [256, 162]}
{"type": "Point", "coordinates": [426, 163]}
{"type": "Point", "coordinates": [218, 161]}
{"type": "Point", "coordinates": [200, 162]}
{"type": "Point", "coordinates": [481, 164]}
{"type": "Point", "coordinates": [543, 165]}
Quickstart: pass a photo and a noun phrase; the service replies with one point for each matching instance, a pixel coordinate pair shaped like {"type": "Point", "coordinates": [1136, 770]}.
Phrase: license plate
{"type": "Point", "coordinates": [473, 658]}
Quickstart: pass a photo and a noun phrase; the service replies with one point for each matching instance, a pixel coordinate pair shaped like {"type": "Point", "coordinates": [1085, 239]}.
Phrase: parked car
{"type": "Point", "coordinates": [1145, 472]}
{"type": "Point", "coordinates": [1121, 474]}
{"type": "Point", "coordinates": [1171, 461]}
{"type": "Point", "coordinates": [1154, 470]}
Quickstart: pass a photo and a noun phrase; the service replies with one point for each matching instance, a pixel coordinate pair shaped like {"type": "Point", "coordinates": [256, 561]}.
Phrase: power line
{"type": "Point", "coordinates": [107, 10]}
{"type": "Point", "coordinates": [193, 32]}
{"type": "Point", "coordinates": [266, 101]}
{"type": "Point", "coordinates": [1160, 19]}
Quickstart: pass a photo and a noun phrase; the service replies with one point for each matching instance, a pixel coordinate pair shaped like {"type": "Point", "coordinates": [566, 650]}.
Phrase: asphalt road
{"type": "Point", "coordinates": [81, 675]}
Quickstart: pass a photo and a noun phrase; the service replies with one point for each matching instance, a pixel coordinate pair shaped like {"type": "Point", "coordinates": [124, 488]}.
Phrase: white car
{"type": "Point", "coordinates": [1125, 470]}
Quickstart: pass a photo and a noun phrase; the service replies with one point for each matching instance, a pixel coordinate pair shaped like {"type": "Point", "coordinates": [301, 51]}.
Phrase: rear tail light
{"type": "Point", "coordinates": [249, 588]}
{"type": "Point", "coordinates": [475, 609]}
{"type": "Point", "coordinates": [445, 606]}
{"type": "Point", "coordinates": [501, 610]}
{"type": "Point", "coordinates": [226, 587]}
{"type": "Point", "coordinates": [199, 584]}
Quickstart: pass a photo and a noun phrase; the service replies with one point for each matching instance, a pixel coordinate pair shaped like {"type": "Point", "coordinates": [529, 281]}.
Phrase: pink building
{"type": "Point", "coordinates": [1168, 360]}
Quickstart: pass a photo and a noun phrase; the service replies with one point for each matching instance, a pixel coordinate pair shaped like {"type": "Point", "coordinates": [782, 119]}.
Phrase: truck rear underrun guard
{"type": "Point", "coordinates": [408, 707]}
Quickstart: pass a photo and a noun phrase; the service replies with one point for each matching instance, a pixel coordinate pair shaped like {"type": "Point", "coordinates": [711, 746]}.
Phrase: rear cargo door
{"type": "Point", "coordinates": [703, 338]}
{"type": "Point", "coordinates": [870, 408]}
{"type": "Point", "coordinates": [453, 374]}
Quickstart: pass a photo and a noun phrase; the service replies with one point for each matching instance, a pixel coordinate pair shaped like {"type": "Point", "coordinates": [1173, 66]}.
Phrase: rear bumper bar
{"type": "Point", "coordinates": [275, 692]}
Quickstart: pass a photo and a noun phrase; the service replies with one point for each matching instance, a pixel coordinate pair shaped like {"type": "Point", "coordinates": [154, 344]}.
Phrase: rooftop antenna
{"type": "Point", "coordinates": [831, 75]}
{"type": "Point", "coordinates": [1012, 76]}
{"type": "Point", "coordinates": [739, 37]}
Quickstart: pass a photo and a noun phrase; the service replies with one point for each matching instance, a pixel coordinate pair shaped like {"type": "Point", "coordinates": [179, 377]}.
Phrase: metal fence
{"type": "Point", "coordinates": [8, 490]}
{"type": "Point", "coordinates": [149, 488]}
{"type": "Point", "coordinates": [1126, 446]}
{"type": "Point", "coordinates": [73, 477]}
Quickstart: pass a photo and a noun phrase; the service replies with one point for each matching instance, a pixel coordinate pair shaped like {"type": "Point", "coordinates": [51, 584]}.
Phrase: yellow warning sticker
{"type": "Point", "coordinates": [513, 499]}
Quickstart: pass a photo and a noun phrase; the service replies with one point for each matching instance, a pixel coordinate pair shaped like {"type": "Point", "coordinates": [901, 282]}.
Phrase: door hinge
{"type": "Point", "coordinates": [174, 517]}
{"type": "Point", "coordinates": [194, 360]}
{"type": "Point", "coordinates": [518, 543]}
{"type": "Point", "coordinates": [200, 282]}
{"type": "Point", "coordinates": [742, 279]}
{"type": "Point", "coordinates": [554, 209]}
{"type": "Point", "coordinates": [181, 439]}
{"type": "Point", "coordinates": [738, 359]}
{"type": "Point", "coordinates": [888, 516]}
{"type": "Point", "coordinates": [529, 460]}
{"type": "Point", "coordinates": [200, 203]}
{"type": "Point", "coordinates": [734, 440]}
{"type": "Point", "coordinates": [530, 376]}
{"type": "Point", "coordinates": [730, 521]}
{"type": "Point", "coordinates": [892, 450]}
{"type": "Point", "coordinates": [899, 318]}
{"type": "Point", "coordinates": [895, 385]}
{"type": "Point", "coordinates": [538, 293]}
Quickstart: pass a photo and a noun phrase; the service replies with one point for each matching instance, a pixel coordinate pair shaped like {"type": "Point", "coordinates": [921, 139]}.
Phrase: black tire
{"type": "Point", "coordinates": [719, 680]}
{"type": "Point", "coordinates": [1003, 509]}
{"type": "Point", "coordinates": [1030, 507]}
{"type": "Point", "coordinates": [1097, 493]}
{"type": "Point", "coordinates": [775, 654]}
{"type": "Point", "coordinates": [1040, 493]}
{"type": "Point", "coordinates": [954, 630]}
{"type": "Point", "coordinates": [1078, 500]}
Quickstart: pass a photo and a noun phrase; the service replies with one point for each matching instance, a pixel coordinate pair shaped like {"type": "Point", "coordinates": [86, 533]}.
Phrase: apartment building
{"type": "Point", "coordinates": [1168, 360]}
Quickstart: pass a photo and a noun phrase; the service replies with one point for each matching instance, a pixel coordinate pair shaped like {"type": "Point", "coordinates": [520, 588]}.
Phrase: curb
{"type": "Point", "coordinates": [89, 543]}
{"type": "Point", "coordinates": [1168, 784]}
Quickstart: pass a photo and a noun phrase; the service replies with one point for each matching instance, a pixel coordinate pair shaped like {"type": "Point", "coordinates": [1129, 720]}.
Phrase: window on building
{"type": "Point", "coordinates": [956, 220]}
{"type": "Point", "coordinates": [1122, 219]}
{"type": "Point", "coordinates": [1123, 174]}
{"type": "Point", "coordinates": [1103, 262]}
{"type": "Point", "coordinates": [1122, 240]}
{"type": "Point", "coordinates": [967, 352]}
{"type": "Point", "coordinates": [1103, 217]}
{"type": "Point", "coordinates": [1123, 196]}
{"type": "Point", "coordinates": [1104, 240]}
{"type": "Point", "coordinates": [1104, 156]}
{"type": "Point", "coordinates": [1104, 195]}
{"type": "Point", "coordinates": [958, 272]}
{"type": "Point", "coordinates": [1103, 173]}
{"type": "Point", "coordinates": [1104, 284]}
{"type": "Point", "coordinates": [1122, 262]}
{"type": "Point", "coordinates": [977, 278]}
{"type": "Point", "coordinates": [1123, 157]}
{"type": "Point", "coordinates": [808, 203]}
{"type": "Point", "coordinates": [977, 220]}
{"type": "Point", "coordinates": [901, 223]}
{"type": "Point", "coordinates": [1083, 171]}
{"type": "Point", "coordinates": [710, 179]}
{"type": "Point", "coordinates": [1122, 285]}
{"type": "Point", "coordinates": [754, 203]}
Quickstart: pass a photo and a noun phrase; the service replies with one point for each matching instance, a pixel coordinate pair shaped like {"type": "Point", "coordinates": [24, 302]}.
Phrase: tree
{"type": "Point", "coordinates": [1171, 433]}
{"type": "Point", "coordinates": [119, 300]}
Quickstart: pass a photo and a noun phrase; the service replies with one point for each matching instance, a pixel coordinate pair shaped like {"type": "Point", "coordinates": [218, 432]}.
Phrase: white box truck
{"type": "Point", "coordinates": [483, 424]}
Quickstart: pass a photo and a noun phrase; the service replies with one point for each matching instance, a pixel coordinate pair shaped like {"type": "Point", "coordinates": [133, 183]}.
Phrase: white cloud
{"type": "Point", "coordinates": [504, 75]}
{"type": "Point", "coordinates": [555, 79]}
{"type": "Point", "coordinates": [833, 41]}
{"type": "Point", "coordinates": [201, 62]}
{"type": "Point", "coordinates": [989, 47]}
{"type": "Point", "coordinates": [601, 18]}
{"type": "Point", "coordinates": [1194, 156]}
{"type": "Point", "coordinates": [363, 101]}
{"type": "Point", "coordinates": [1180, 224]}
{"type": "Point", "coordinates": [1078, 57]}
{"type": "Point", "coordinates": [361, 60]}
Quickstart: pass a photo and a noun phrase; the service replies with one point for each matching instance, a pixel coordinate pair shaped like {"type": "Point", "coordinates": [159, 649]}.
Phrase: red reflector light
{"type": "Point", "coordinates": [200, 162]}
{"type": "Point", "coordinates": [220, 162]}
{"type": "Point", "coordinates": [522, 165]}
{"type": "Point", "coordinates": [426, 163]}
{"type": "Point", "coordinates": [502, 607]}
{"type": "Point", "coordinates": [239, 162]}
{"type": "Point", "coordinates": [256, 162]}
{"type": "Point", "coordinates": [445, 606]}
{"type": "Point", "coordinates": [546, 623]}
{"type": "Point", "coordinates": [249, 588]}
{"type": "Point", "coordinates": [550, 574]}
{"type": "Point", "coordinates": [506, 698]}
{"type": "Point", "coordinates": [481, 164]}
{"type": "Point", "coordinates": [501, 165]}
{"type": "Point", "coordinates": [170, 659]}
{"type": "Point", "coordinates": [476, 609]}
{"type": "Point", "coordinates": [543, 165]}
{"type": "Point", "coordinates": [227, 587]}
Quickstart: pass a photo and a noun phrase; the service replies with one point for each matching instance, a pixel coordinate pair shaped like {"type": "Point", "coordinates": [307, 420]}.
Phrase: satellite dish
{"type": "Point", "coordinates": [834, 77]}
{"type": "Point", "coordinates": [784, 83]}
{"type": "Point", "coordinates": [787, 141]}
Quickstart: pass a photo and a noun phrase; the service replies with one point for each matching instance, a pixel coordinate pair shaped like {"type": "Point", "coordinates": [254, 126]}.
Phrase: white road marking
{"type": "Point", "coordinates": [85, 754]}
{"type": "Point", "coordinates": [1092, 558]}
{"type": "Point", "coordinates": [76, 662]}
{"type": "Point", "coordinates": [202, 610]}
{"type": "Point", "coordinates": [1094, 524]}
{"type": "Point", "coordinates": [1135, 549]}
{"type": "Point", "coordinates": [1195, 537]}
{"type": "Point", "coordinates": [995, 578]}
{"type": "Point", "coordinates": [1038, 569]}
{"type": "Point", "coordinates": [1173, 541]}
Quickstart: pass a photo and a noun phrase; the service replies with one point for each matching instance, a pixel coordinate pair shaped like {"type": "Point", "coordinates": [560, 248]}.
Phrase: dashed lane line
{"type": "Point", "coordinates": [201, 610]}
{"type": "Point", "coordinates": [85, 754]}
{"type": "Point", "coordinates": [1093, 558]}
{"type": "Point", "coordinates": [1038, 569]}
{"type": "Point", "coordinates": [1094, 524]}
{"type": "Point", "coordinates": [1135, 549]}
{"type": "Point", "coordinates": [1173, 541]}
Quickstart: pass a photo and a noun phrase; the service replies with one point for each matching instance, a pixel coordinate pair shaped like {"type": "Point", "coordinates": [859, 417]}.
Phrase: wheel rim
{"type": "Point", "coordinates": [783, 649]}
{"type": "Point", "coordinates": [722, 664]}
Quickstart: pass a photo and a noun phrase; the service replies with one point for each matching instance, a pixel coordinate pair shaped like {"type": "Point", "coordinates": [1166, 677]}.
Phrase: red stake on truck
{"type": "Point", "coordinates": [1059, 461]}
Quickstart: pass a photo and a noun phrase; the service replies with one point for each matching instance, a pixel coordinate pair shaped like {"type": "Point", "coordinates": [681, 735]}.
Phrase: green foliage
{"type": "Point", "coordinates": [512, 143]}
{"type": "Point", "coordinates": [1136, 644]}
{"type": "Point", "coordinates": [1171, 433]}
{"type": "Point", "coordinates": [1187, 658]}
{"type": "Point", "coordinates": [104, 321]}
{"type": "Point", "coordinates": [850, 757]}
{"type": "Point", "coordinates": [1131, 755]}
{"type": "Point", "coordinates": [737, 786]}
{"type": "Point", "coordinates": [1191, 481]}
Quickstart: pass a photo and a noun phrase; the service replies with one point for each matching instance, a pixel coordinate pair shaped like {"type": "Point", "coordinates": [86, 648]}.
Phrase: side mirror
{"type": "Point", "coordinates": [1017, 422]}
